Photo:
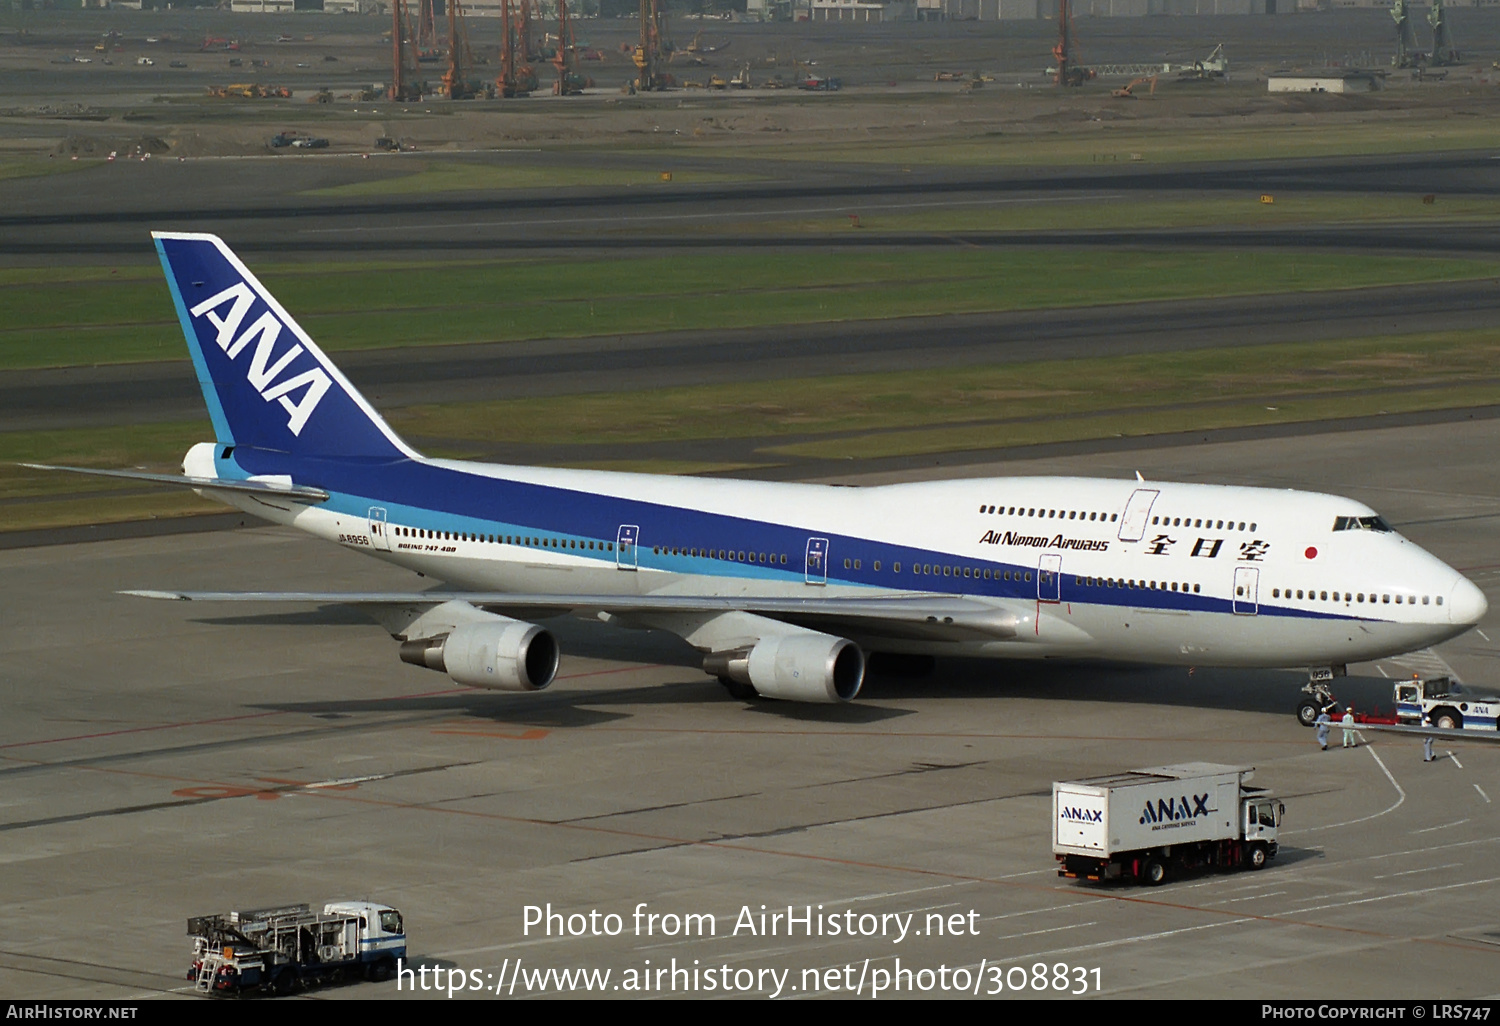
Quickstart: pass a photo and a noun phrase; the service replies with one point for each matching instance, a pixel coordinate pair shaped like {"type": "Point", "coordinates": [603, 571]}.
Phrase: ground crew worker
{"type": "Point", "coordinates": [1348, 722]}
{"type": "Point", "coordinates": [1324, 722]}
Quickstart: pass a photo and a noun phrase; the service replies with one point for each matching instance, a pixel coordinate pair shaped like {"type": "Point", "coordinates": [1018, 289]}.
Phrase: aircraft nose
{"type": "Point", "coordinates": [1467, 603]}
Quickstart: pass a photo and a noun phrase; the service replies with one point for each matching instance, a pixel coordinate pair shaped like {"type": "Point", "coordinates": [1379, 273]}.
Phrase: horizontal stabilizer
{"type": "Point", "coordinates": [252, 487]}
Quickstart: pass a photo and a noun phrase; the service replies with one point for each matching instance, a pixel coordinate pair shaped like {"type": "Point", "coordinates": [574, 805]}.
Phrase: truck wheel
{"type": "Point", "coordinates": [1447, 719]}
{"type": "Point", "coordinates": [1307, 711]}
{"type": "Point", "coordinates": [1153, 872]}
{"type": "Point", "coordinates": [1257, 858]}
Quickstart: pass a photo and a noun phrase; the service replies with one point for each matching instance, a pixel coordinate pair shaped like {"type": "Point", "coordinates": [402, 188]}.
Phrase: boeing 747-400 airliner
{"type": "Point", "coordinates": [783, 587]}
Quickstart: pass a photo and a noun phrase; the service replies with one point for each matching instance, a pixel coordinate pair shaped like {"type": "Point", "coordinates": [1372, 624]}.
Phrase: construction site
{"type": "Point", "coordinates": [216, 83]}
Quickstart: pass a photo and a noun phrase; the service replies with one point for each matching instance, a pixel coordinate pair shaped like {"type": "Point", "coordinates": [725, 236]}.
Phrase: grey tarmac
{"type": "Point", "coordinates": [166, 760]}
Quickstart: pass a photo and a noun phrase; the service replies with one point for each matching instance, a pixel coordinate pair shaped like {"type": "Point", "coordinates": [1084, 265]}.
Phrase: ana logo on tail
{"type": "Point", "coordinates": [262, 373]}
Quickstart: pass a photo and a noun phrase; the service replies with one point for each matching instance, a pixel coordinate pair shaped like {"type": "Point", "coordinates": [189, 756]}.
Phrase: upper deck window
{"type": "Point", "coordinates": [1376, 523]}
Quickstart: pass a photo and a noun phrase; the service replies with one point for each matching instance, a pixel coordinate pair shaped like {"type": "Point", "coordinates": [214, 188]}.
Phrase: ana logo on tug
{"type": "Point", "coordinates": [262, 373]}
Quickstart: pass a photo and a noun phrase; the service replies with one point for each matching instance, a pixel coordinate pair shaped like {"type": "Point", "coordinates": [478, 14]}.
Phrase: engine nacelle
{"type": "Point", "coordinates": [800, 667]}
{"type": "Point", "coordinates": [500, 655]}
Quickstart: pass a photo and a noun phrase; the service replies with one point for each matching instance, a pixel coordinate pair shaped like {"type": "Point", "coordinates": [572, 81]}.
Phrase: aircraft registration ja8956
{"type": "Point", "coordinates": [784, 588]}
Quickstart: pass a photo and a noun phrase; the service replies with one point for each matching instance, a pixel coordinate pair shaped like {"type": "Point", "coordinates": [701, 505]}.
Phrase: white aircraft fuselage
{"type": "Point", "coordinates": [783, 587]}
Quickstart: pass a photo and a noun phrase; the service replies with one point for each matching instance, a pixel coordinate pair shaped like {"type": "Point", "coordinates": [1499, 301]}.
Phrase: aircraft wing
{"type": "Point", "coordinates": [923, 613]}
{"type": "Point", "coordinates": [1436, 732]}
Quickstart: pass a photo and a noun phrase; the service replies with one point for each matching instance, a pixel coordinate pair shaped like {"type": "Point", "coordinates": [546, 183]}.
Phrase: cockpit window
{"type": "Point", "coordinates": [1376, 523]}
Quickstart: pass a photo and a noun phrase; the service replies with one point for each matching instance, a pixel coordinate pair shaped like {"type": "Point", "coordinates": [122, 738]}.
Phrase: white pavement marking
{"type": "Point", "coordinates": [1036, 911]}
{"type": "Point", "coordinates": [1445, 826]}
{"type": "Point", "coordinates": [1140, 938]}
{"type": "Point", "coordinates": [1248, 897]}
{"type": "Point", "coordinates": [1038, 933]}
{"type": "Point", "coordinates": [1388, 897]}
{"type": "Point", "coordinates": [1455, 761]}
{"type": "Point", "coordinates": [1363, 819]}
{"type": "Point", "coordinates": [1482, 794]}
{"type": "Point", "coordinates": [1413, 872]}
{"type": "Point", "coordinates": [1424, 851]}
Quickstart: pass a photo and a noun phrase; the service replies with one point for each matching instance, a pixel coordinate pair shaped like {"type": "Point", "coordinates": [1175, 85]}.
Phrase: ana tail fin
{"type": "Point", "coordinates": [267, 384]}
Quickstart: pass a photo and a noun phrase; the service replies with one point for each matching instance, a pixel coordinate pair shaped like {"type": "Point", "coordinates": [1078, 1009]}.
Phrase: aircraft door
{"type": "Point", "coordinates": [625, 546]}
{"type": "Point", "coordinates": [378, 536]}
{"type": "Point", "coordinates": [1137, 514]}
{"type": "Point", "coordinates": [1246, 590]}
{"type": "Point", "coordinates": [817, 561]}
{"type": "Point", "coordinates": [1049, 578]}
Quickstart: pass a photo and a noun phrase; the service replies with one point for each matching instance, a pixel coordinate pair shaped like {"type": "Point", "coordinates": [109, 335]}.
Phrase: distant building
{"type": "Point", "coordinates": [863, 10]}
{"type": "Point", "coordinates": [1009, 10]}
{"type": "Point", "coordinates": [1330, 81]}
{"type": "Point", "coordinates": [262, 6]}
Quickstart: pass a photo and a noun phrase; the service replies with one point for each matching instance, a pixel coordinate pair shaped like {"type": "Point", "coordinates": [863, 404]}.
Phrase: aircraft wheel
{"type": "Point", "coordinates": [1307, 711]}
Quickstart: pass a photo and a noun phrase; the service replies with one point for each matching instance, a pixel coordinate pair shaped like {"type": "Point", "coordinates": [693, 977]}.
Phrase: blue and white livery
{"type": "Point", "coordinates": [783, 587]}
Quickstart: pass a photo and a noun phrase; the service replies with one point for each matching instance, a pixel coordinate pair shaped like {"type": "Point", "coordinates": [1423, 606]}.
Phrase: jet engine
{"type": "Point", "coordinates": [798, 667]}
{"type": "Point", "coordinates": [498, 654]}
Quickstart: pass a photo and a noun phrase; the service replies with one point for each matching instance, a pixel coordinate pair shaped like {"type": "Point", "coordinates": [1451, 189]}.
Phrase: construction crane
{"type": "Point", "coordinates": [1406, 36]}
{"type": "Point", "coordinates": [565, 59]}
{"type": "Point", "coordinates": [426, 35]}
{"type": "Point", "coordinates": [517, 77]}
{"type": "Point", "coordinates": [1068, 71]}
{"type": "Point", "coordinates": [455, 86]}
{"type": "Point", "coordinates": [654, 49]}
{"type": "Point", "coordinates": [1444, 52]}
{"type": "Point", "coordinates": [404, 85]}
{"type": "Point", "coordinates": [697, 45]}
{"type": "Point", "coordinates": [1214, 66]}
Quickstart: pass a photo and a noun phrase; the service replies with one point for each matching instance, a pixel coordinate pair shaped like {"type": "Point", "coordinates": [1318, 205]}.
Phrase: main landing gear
{"type": "Point", "coordinates": [1318, 694]}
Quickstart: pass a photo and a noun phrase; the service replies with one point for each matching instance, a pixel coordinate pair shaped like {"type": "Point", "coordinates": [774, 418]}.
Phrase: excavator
{"type": "Point", "coordinates": [1128, 92]}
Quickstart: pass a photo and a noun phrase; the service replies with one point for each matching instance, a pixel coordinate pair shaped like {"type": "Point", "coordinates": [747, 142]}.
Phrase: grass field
{"type": "Point", "coordinates": [456, 176]}
{"type": "Point", "coordinates": [848, 417]}
{"type": "Point", "coordinates": [92, 315]}
{"type": "Point", "coordinates": [1304, 382]}
{"type": "Point", "coordinates": [1074, 141]}
{"type": "Point", "coordinates": [35, 167]}
{"type": "Point", "coordinates": [1244, 210]}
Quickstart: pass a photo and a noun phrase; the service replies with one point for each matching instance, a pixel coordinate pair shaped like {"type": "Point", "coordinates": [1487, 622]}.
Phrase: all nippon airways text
{"type": "Point", "coordinates": [787, 921]}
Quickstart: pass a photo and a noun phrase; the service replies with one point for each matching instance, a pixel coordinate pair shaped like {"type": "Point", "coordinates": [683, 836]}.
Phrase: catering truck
{"type": "Point", "coordinates": [285, 949]}
{"type": "Point", "coordinates": [1147, 825]}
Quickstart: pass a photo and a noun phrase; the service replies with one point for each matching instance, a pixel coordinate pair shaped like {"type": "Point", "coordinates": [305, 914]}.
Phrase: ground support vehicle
{"type": "Point", "coordinates": [285, 949]}
{"type": "Point", "coordinates": [1443, 702]}
{"type": "Point", "coordinates": [1147, 825]}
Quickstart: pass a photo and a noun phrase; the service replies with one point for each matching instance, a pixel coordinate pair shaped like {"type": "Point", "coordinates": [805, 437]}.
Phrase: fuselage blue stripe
{"type": "Point", "coordinates": [434, 498]}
